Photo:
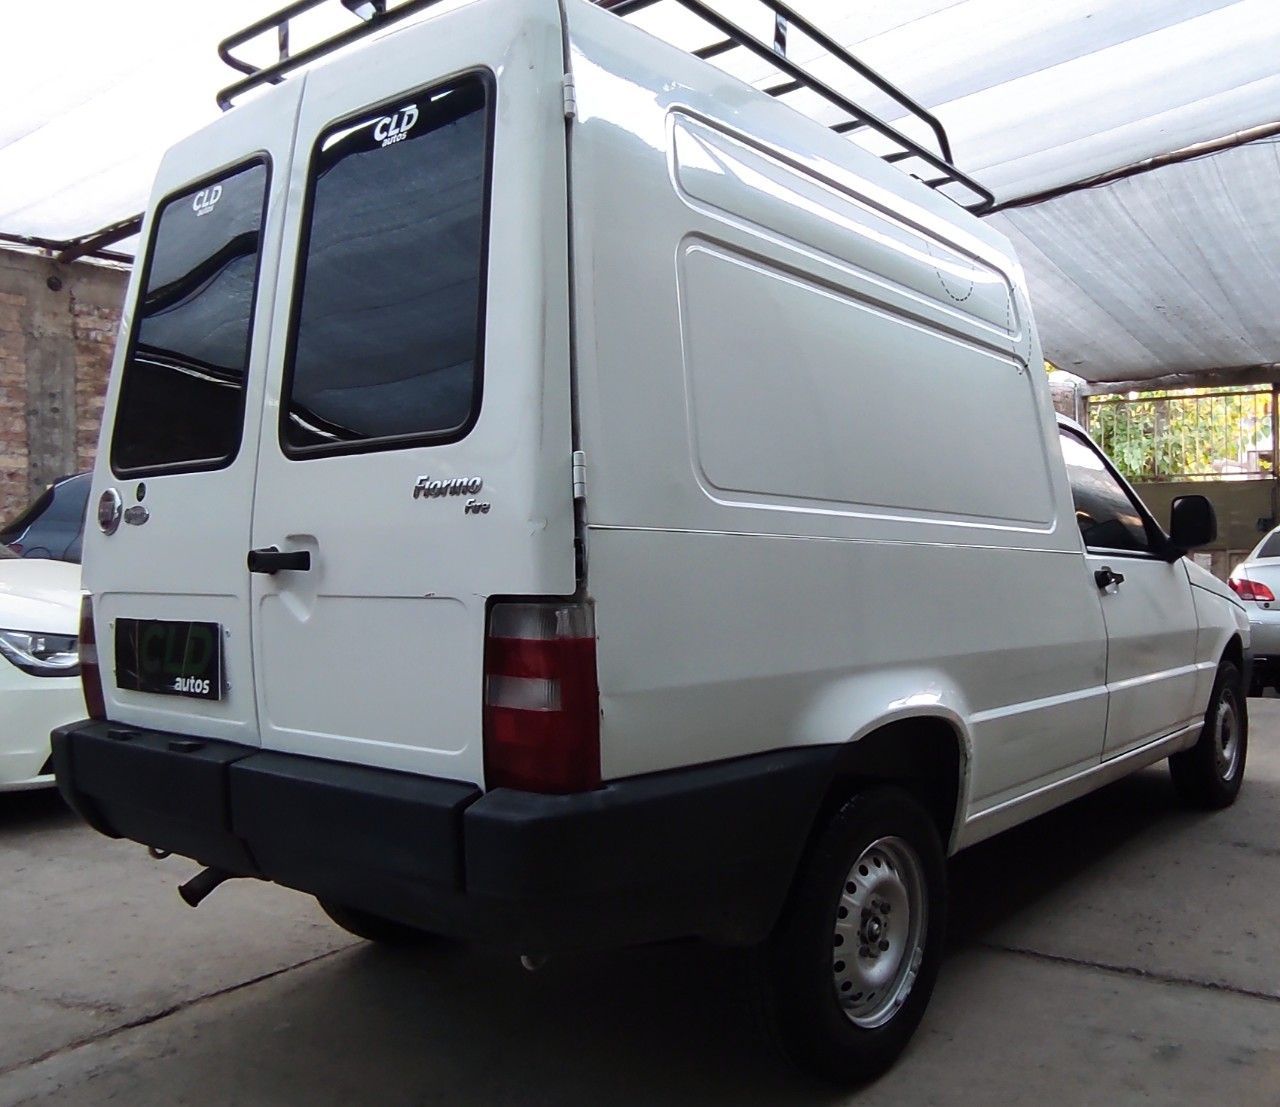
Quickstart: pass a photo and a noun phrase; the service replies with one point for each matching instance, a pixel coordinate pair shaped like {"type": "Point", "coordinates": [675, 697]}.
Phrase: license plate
{"type": "Point", "coordinates": [169, 658]}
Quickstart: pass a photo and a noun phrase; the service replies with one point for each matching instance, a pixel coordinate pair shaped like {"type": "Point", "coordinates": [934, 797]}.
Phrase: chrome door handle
{"type": "Point", "coordinates": [1106, 578]}
{"type": "Point", "coordinates": [270, 560]}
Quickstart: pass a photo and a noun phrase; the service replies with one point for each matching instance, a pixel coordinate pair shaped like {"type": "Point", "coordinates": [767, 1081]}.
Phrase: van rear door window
{"type": "Point", "coordinates": [388, 313]}
{"type": "Point", "coordinates": [181, 402]}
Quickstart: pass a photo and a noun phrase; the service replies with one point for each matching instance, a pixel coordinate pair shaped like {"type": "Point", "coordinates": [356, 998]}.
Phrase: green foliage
{"type": "Point", "coordinates": [1192, 432]}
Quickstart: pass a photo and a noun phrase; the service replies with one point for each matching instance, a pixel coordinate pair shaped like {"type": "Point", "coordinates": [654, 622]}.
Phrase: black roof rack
{"type": "Point", "coordinates": [370, 16]}
{"type": "Point", "coordinates": [936, 169]}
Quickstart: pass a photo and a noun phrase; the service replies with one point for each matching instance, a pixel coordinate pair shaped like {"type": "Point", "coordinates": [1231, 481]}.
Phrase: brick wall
{"type": "Point", "coordinates": [58, 327]}
{"type": "Point", "coordinates": [13, 399]}
{"type": "Point", "coordinates": [94, 326]}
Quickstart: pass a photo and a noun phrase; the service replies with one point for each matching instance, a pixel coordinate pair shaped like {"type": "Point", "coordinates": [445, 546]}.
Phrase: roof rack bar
{"type": "Point", "coordinates": [715, 49]}
{"type": "Point", "coordinates": [626, 7]}
{"type": "Point", "coordinates": [271, 74]}
{"type": "Point", "coordinates": [885, 130]}
{"type": "Point", "coordinates": [866, 72]}
{"type": "Point", "coordinates": [267, 23]}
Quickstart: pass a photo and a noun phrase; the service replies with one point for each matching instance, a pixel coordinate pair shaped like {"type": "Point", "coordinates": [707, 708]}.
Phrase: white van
{"type": "Point", "coordinates": [554, 494]}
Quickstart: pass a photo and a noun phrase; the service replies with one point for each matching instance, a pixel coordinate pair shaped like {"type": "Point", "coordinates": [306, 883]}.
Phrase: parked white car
{"type": "Point", "coordinates": [40, 670]}
{"type": "Point", "coordinates": [512, 523]}
{"type": "Point", "coordinates": [1256, 580]}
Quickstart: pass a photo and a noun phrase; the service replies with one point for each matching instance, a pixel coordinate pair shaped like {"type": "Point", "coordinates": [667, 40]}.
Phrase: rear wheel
{"type": "Point", "coordinates": [1210, 773]}
{"type": "Point", "coordinates": [375, 928]}
{"type": "Point", "coordinates": [848, 972]}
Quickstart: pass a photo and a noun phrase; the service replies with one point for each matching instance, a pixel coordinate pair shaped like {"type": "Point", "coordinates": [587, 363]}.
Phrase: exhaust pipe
{"type": "Point", "coordinates": [200, 885]}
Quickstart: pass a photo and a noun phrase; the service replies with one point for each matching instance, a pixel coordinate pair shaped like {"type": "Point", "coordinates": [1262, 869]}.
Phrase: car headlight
{"type": "Point", "coordinates": [41, 654]}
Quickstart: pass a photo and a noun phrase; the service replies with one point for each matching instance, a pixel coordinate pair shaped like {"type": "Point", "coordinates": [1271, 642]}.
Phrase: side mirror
{"type": "Point", "coordinates": [1192, 523]}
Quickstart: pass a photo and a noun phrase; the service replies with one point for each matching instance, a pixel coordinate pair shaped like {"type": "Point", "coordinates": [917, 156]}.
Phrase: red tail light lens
{"type": "Point", "coordinates": [542, 705]}
{"type": "Point", "coordinates": [90, 677]}
{"type": "Point", "coordinates": [1248, 589]}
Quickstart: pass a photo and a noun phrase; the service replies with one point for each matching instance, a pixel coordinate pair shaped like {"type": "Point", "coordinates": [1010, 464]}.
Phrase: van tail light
{"type": "Point", "coordinates": [1248, 589]}
{"type": "Point", "coordinates": [541, 702]}
{"type": "Point", "coordinates": [90, 676]}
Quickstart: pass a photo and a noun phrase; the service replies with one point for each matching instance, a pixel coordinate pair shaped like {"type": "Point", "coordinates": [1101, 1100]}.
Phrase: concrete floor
{"type": "Point", "coordinates": [1118, 951]}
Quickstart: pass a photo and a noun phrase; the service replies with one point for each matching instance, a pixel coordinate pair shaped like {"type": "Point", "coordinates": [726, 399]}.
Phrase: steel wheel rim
{"type": "Point", "coordinates": [880, 926]}
{"type": "Point", "coordinates": [1226, 737]}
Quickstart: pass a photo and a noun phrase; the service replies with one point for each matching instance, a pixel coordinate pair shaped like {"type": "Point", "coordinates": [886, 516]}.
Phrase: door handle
{"type": "Point", "coordinates": [1106, 578]}
{"type": "Point", "coordinates": [270, 560]}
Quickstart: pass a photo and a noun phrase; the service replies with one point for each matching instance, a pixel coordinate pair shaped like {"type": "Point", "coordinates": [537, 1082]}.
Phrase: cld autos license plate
{"type": "Point", "coordinates": [169, 658]}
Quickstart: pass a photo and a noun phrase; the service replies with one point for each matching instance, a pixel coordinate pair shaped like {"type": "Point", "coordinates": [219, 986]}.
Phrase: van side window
{"type": "Point", "coordinates": [181, 400]}
{"type": "Point", "coordinates": [388, 312]}
{"type": "Point", "coordinates": [1106, 514]}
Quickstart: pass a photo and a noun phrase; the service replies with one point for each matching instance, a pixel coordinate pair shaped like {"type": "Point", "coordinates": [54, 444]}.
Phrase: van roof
{"type": "Point", "coordinates": [788, 77]}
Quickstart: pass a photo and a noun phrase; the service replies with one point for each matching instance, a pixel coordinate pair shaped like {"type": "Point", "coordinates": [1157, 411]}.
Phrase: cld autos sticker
{"type": "Point", "coordinates": [395, 128]}
{"type": "Point", "coordinates": [204, 200]}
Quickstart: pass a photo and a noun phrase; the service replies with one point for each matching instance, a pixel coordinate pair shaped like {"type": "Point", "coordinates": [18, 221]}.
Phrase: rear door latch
{"type": "Point", "coordinates": [271, 560]}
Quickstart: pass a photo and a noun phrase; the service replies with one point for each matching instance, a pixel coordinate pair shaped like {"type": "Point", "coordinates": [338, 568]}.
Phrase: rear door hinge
{"type": "Point", "coordinates": [579, 475]}
{"type": "Point", "coordinates": [570, 97]}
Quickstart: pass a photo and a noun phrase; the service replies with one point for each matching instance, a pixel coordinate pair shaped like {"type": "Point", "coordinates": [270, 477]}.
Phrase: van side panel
{"type": "Point", "coordinates": [825, 378]}
{"type": "Point", "coordinates": [822, 491]}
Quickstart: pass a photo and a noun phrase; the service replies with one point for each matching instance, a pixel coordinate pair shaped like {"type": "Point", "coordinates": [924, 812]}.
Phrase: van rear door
{"type": "Point", "coordinates": [415, 456]}
{"type": "Point", "coordinates": [180, 446]}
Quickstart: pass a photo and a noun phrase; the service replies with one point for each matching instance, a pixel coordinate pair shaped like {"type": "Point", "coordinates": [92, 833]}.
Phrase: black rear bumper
{"type": "Point", "coordinates": [708, 851]}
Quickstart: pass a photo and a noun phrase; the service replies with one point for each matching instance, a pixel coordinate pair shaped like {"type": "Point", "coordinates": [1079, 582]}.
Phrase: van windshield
{"type": "Point", "coordinates": [181, 396]}
{"type": "Point", "coordinates": [388, 313]}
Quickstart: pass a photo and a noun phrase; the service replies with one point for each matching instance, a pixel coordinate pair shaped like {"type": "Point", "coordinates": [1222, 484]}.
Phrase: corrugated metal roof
{"type": "Point", "coordinates": [1173, 271]}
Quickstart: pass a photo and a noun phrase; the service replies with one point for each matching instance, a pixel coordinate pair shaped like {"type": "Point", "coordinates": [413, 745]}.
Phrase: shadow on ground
{"type": "Point", "coordinates": [659, 1024]}
{"type": "Point", "coordinates": [1008, 874]}
{"type": "Point", "coordinates": [22, 812]}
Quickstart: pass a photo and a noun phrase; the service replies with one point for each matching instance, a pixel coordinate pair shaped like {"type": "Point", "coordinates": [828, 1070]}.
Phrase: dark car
{"type": "Point", "coordinates": [53, 525]}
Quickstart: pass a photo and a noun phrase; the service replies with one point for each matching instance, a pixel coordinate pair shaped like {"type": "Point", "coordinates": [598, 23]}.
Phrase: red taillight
{"type": "Point", "coordinates": [541, 703]}
{"type": "Point", "coordinates": [1248, 589]}
{"type": "Point", "coordinates": [90, 677]}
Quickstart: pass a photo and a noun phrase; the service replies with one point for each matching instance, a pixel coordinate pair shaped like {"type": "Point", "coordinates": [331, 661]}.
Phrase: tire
{"type": "Point", "coordinates": [1210, 773]}
{"type": "Point", "coordinates": [883, 846]}
{"type": "Point", "coordinates": [374, 928]}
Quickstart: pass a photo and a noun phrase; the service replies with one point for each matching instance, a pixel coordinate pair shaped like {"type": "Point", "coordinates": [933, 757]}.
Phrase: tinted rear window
{"type": "Point", "coordinates": [182, 396]}
{"type": "Point", "coordinates": [52, 526]}
{"type": "Point", "coordinates": [29, 515]}
{"type": "Point", "coordinates": [388, 313]}
{"type": "Point", "coordinates": [70, 499]}
{"type": "Point", "coordinates": [1271, 547]}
